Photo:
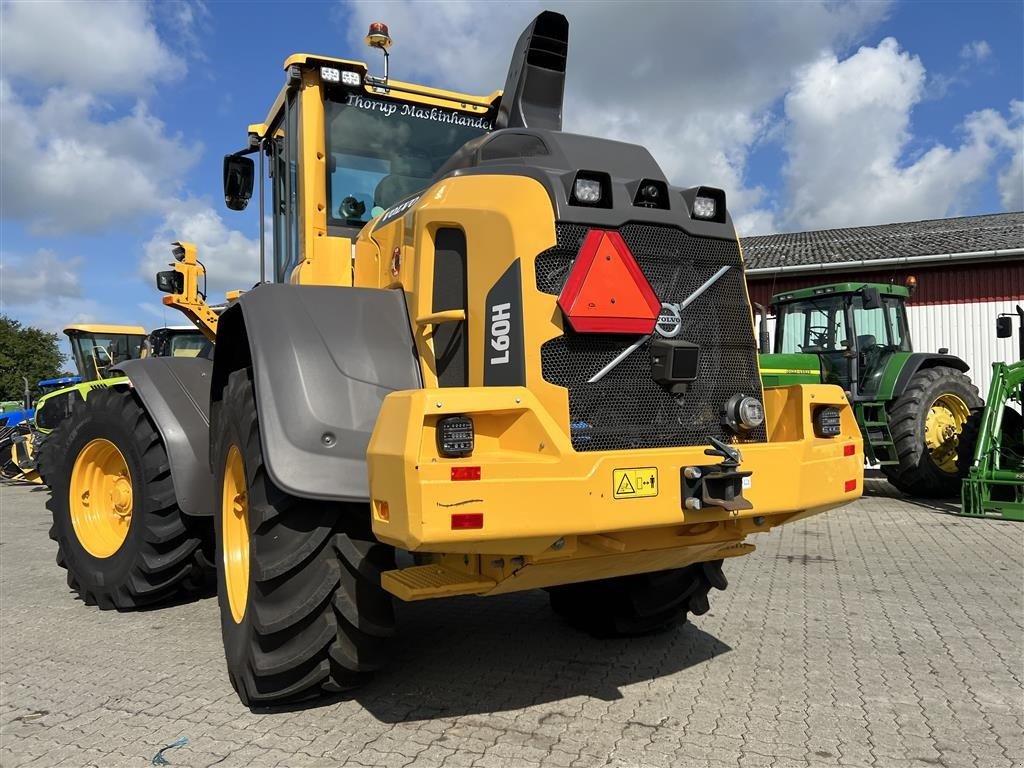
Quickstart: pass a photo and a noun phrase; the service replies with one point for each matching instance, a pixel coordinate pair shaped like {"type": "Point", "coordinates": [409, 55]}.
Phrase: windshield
{"type": "Point", "coordinates": [811, 325]}
{"type": "Point", "coordinates": [187, 344]}
{"type": "Point", "coordinates": [381, 151]}
{"type": "Point", "coordinates": [95, 353]}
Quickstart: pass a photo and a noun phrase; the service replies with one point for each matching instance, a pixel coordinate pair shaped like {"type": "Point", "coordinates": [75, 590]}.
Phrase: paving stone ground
{"type": "Point", "coordinates": [887, 633]}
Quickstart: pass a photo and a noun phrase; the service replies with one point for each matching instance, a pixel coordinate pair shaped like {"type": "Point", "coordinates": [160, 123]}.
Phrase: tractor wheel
{"type": "Point", "coordinates": [926, 422]}
{"type": "Point", "coordinates": [119, 531]}
{"type": "Point", "coordinates": [640, 604]}
{"type": "Point", "coordinates": [1011, 425]}
{"type": "Point", "coordinates": [302, 609]}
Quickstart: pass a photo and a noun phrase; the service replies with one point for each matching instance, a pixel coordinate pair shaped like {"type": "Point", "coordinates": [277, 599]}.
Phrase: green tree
{"type": "Point", "coordinates": [26, 351]}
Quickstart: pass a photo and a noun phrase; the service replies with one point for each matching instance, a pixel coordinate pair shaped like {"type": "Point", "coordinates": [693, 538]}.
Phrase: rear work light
{"type": "Point", "coordinates": [455, 436]}
{"type": "Point", "coordinates": [606, 292]}
{"type": "Point", "coordinates": [827, 422]}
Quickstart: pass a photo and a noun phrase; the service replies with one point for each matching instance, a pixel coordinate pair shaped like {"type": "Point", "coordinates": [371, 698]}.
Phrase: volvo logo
{"type": "Point", "coordinates": [670, 322]}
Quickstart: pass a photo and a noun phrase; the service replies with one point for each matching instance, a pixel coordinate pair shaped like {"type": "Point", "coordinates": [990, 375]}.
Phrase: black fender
{"type": "Point", "coordinates": [921, 360]}
{"type": "Point", "coordinates": [175, 392]}
{"type": "Point", "coordinates": [323, 359]}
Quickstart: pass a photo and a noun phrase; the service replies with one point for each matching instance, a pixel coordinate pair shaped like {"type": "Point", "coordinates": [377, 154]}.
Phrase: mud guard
{"type": "Point", "coordinates": [176, 394]}
{"type": "Point", "coordinates": [323, 360]}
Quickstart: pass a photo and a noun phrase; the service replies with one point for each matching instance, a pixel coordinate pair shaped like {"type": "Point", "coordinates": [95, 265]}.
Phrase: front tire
{"type": "Point", "coordinates": [119, 531]}
{"type": "Point", "coordinates": [302, 610]}
{"type": "Point", "coordinates": [926, 422]}
{"type": "Point", "coordinates": [640, 604]}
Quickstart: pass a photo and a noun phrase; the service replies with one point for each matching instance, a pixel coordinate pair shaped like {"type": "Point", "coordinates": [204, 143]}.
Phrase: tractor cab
{"type": "Point", "coordinates": [854, 329]}
{"type": "Point", "coordinates": [97, 348]}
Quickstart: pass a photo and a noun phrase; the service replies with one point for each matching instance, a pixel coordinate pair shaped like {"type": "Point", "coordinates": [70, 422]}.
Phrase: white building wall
{"type": "Point", "coordinates": [969, 331]}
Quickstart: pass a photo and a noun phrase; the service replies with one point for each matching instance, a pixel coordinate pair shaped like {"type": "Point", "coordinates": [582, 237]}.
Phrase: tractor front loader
{"type": "Point", "coordinates": [911, 406]}
{"type": "Point", "coordinates": [992, 444]}
{"type": "Point", "coordinates": [518, 354]}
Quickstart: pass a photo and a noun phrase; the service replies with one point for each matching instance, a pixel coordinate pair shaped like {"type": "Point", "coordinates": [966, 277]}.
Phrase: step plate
{"type": "Point", "coordinates": [422, 582]}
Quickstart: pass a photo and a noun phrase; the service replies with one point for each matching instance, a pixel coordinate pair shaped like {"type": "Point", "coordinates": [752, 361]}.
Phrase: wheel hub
{"type": "Point", "coordinates": [943, 424]}
{"type": "Point", "coordinates": [100, 497]}
{"type": "Point", "coordinates": [235, 533]}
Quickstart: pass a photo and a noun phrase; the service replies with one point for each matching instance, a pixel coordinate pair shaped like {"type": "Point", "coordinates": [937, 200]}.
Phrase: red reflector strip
{"type": "Point", "coordinates": [849, 450]}
{"type": "Point", "coordinates": [465, 473]}
{"type": "Point", "coordinates": [466, 520]}
{"type": "Point", "coordinates": [851, 485]}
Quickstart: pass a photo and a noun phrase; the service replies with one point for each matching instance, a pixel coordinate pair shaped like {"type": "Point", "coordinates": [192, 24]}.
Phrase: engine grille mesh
{"type": "Point", "coordinates": [627, 409]}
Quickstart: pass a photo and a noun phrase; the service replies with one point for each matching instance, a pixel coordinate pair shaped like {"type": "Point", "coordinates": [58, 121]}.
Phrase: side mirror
{"type": "Point", "coordinates": [1004, 327]}
{"type": "Point", "coordinates": [170, 281]}
{"type": "Point", "coordinates": [872, 298]}
{"type": "Point", "coordinates": [239, 174]}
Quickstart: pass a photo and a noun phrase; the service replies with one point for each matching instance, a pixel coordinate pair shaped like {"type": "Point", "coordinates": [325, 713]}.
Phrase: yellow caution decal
{"type": "Point", "coordinates": [635, 483]}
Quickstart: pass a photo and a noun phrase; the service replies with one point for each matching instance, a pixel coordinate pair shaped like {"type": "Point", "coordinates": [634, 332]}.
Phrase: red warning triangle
{"type": "Point", "coordinates": [606, 292]}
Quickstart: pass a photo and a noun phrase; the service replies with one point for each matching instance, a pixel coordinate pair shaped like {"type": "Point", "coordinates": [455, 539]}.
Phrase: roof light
{"type": "Point", "coordinates": [704, 207]}
{"type": "Point", "coordinates": [351, 78]}
{"type": "Point", "coordinates": [378, 36]}
{"type": "Point", "coordinates": [606, 292]}
{"type": "Point", "coordinates": [330, 75]}
{"type": "Point", "coordinates": [587, 190]}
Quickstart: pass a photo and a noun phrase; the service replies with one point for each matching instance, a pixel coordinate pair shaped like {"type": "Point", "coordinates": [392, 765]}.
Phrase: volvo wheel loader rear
{"type": "Point", "coordinates": [517, 353]}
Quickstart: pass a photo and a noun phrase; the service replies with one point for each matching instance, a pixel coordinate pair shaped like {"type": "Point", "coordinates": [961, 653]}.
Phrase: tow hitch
{"type": "Point", "coordinates": [715, 485]}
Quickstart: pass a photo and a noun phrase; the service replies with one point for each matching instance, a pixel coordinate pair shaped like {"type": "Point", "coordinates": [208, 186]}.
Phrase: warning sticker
{"type": "Point", "coordinates": [635, 483]}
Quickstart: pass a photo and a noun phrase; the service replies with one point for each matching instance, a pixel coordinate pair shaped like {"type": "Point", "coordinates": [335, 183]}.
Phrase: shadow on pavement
{"type": "Point", "coordinates": [879, 487]}
{"type": "Point", "coordinates": [469, 656]}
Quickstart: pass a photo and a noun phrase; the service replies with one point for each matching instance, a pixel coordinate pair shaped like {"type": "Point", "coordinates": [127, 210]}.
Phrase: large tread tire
{"type": "Point", "coordinates": [316, 619]}
{"type": "Point", "coordinates": [161, 558]}
{"type": "Point", "coordinates": [1011, 425]}
{"type": "Point", "coordinates": [917, 474]}
{"type": "Point", "coordinates": [641, 604]}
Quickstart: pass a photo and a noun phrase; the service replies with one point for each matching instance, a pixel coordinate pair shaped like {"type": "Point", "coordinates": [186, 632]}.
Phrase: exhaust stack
{"type": "Point", "coordinates": [536, 76]}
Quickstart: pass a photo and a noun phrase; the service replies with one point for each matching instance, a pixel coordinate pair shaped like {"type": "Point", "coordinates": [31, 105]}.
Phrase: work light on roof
{"type": "Point", "coordinates": [330, 75]}
{"type": "Point", "coordinates": [704, 207]}
{"type": "Point", "coordinates": [587, 190]}
{"type": "Point", "coordinates": [350, 78]}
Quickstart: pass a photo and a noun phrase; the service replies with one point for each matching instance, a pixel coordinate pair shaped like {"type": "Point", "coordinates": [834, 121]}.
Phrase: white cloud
{"type": "Point", "coordinates": [63, 168]}
{"type": "Point", "coordinates": [849, 129]}
{"type": "Point", "coordinates": [44, 290]}
{"type": "Point", "coordinates": [41, 276]}
{"type": "Point", "coordinates": [231, 258]}
{"type": "Point", "coordinates": [99, 47]}
{"type": "Point", "coordinates": [976, 51]}
{"type": "Point", "coordinates": [1011, 178]}
{"type": "Point", "coordinates": [700, 107]}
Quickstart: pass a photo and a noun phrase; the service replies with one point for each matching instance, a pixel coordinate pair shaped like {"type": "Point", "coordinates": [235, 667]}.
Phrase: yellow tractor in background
{"type": "Point", "coordinates": [519, 354]}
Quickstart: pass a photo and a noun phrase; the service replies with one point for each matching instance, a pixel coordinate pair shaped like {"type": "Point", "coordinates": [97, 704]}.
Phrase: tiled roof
{"type": "Point", "coordinates": [912, 238]}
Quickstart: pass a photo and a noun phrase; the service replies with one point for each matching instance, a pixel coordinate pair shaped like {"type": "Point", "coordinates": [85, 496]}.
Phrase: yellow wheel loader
{"type": "Point", "coordinates": [519, 354]}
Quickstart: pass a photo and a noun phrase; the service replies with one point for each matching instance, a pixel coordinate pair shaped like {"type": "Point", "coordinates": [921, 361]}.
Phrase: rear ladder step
{"type": "Point", "coordinates": [421, 582]}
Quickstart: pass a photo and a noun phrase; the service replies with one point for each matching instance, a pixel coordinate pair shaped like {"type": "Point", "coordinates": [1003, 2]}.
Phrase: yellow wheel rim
{"type": "Point", "coordinates": [942, 428]}
{"type": "Point", "coordinates": [100, 498]}
{"type": "Point", "coordinates": [235, 533]}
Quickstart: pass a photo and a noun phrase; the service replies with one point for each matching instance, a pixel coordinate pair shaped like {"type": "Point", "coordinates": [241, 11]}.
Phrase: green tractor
{"type": "Point", "coordinates": [911, 406]}
{"type": "Point", "coordinates": [991, 455]}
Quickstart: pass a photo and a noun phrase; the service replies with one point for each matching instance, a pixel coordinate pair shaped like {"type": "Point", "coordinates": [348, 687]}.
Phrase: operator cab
{"type": "Point", "coordinates": [97, 348]}
{"type": "Point", "coordinates": [853, 328]}
{"type": "Point", "coordinates": [340, 147]}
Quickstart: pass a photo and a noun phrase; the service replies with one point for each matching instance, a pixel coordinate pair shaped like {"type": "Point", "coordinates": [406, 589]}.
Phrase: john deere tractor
{"type": "Point", "coordinates": [911, 406]}
{"type": "Point", "coordinates": [518, 354]}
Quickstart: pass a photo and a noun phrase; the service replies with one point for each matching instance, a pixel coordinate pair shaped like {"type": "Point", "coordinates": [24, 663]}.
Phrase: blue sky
{"type": "Point", "coordinates": [815, 114]}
